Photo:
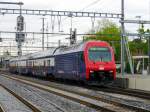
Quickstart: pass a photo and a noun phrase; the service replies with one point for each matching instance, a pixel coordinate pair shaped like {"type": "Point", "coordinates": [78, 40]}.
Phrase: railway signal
{"type": "Point", "coordinates": [20, 23]}
{"type": "Point", "coordinates": [73, 36]}
{"type": "Point", "coordinates": [20, 37]}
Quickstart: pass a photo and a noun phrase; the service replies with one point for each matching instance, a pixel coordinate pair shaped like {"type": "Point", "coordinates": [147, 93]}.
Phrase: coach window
{"type": "Point", "coordinates": [30, 63]}
{"type": "Point", "coordinates": [33, 63]}
{"type": "Point", "coordinates": [48, 62]}
{"type": "Point", "coordinates": [44, 63]}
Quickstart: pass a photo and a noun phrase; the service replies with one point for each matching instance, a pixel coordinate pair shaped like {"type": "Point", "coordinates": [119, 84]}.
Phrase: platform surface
{"type": "Point", "coordinates": [136, 81]}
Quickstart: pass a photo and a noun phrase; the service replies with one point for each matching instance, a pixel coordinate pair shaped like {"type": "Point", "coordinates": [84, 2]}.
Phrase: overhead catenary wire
{"type": "Point", "coordinates": [93, 3]}
{"type": "Point", "coordinates": [59, 34]}
{"type": "Point", "coordinates": [92, 19]}
{"type": "Point", "coordinates": [89, 5]}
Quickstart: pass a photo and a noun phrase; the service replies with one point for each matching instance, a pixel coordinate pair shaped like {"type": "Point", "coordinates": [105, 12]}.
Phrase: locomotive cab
{"type": "Point", "coordinates": [100, 63]}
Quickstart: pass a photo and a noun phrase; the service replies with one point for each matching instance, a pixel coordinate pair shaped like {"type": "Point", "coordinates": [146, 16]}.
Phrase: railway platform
{"type": "Point", "coordinates": [136, 81]}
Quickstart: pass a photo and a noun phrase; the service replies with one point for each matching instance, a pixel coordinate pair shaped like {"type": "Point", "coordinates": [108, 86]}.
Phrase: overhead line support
{"type": "Point", "coordinates": [12, 3]}
{"type": "Point", "coordinates": [135, 21]}
{"type": "Point", "coordinates": [59, 13]}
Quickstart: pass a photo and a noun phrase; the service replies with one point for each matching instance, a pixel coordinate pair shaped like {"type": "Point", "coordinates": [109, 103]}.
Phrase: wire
{"type": "Point", "coordinates": [96, 1]}
{"type": "Point", "coordinates": [90, 5]}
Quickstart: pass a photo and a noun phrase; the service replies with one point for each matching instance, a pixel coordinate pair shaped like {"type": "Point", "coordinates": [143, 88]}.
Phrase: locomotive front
{"type": "Point", "coordinates": [100, 63]}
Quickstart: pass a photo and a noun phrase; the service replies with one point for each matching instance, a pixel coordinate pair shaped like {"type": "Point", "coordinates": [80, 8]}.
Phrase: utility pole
{"type": "Point", "coordinates": [20, 26]}
{"type": "Point", "coordinates": [122, 38]}
{"type": "Point", "coordinates": [0, 37]}
{"type": "Point", "coordinates": [20, 36]}
{"type": "Point", "coordinates": [47, 35]}
{"type": "Point", "coordinates": [43, 30]}
{"type": "Point", "coordinates": [70, 36]}
{"type": "Point", "coordinates": [59, 43]}
{"type": "Point", "coordinates": [149, 54]}
{"type": "Point", "coordinates": [148, 32]}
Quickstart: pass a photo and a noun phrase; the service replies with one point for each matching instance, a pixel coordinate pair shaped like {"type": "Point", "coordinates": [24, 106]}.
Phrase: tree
{"type": "Point", "coordinates": [139, 46]}
{"type": "Point", "coordinates": [107, 30]}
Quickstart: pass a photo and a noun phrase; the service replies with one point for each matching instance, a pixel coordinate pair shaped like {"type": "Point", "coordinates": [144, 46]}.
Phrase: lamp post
{"type": "Point", "coordinates": [148, 33]}
{"type": "Point", "coordinates": [138, 17]}
{"type": "Point", "coordinates": [122, 37]}
{"type": "Point", "coordinates": [149, 53]}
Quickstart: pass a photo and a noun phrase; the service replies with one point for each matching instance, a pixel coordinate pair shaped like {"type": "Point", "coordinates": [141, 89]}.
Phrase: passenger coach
{"type": "Point", "coordinates": [91, 61]}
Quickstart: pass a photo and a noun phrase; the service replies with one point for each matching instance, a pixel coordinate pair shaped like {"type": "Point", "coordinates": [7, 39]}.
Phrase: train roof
{"type": "Point", "coordinates": [35, 55]}
{"type": "Point", "coordinates": [24, 57]}
{"type": "Point", "coordinates": [75, 48]}
{"type": "Point", "coordinates": [56, 51]}
{"type": "Point", "coordinates": [42, 53]}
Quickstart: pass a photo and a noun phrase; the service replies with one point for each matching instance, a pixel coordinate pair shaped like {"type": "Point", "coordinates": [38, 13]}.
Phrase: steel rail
{"type": "Point", "coordinates": [52, 90]}
{"type": "Point", "coordinates": [23, 100]}
{"type": "Point", "coordinates": [81, 94]}
{"type": "Point", "coordinates": [1, 109]}
{"type": "Point", "coordinates": [135, 93]}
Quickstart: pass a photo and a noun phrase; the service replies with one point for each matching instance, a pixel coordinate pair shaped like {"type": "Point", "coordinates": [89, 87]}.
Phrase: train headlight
{"type": "Point", "coordinates": [111, 71]}
{"type": "Point", "coordinates": [101, 68]}
{"type": "Point", "coordinates": [91, 71]}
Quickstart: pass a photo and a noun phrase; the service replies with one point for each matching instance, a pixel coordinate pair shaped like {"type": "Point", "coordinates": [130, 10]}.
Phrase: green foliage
{"type": "Point", "coordinates": [110, 30]}
{"type": "Point", "coordinates": [107, 30]}
{"type": "Point", "coordinates": [138, 47]}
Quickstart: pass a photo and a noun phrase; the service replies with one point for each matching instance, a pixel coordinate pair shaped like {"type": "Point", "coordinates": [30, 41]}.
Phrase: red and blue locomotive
{"type": "Point", "coordinates": [91, 61]}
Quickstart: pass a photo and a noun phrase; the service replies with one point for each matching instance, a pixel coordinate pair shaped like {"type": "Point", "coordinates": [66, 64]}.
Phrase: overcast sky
{"type": "Point", "coordinates": [133, 8]}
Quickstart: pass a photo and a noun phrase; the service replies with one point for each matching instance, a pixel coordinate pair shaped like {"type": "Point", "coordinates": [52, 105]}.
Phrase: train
{"type": "Point", "coordinates": [91, 62]}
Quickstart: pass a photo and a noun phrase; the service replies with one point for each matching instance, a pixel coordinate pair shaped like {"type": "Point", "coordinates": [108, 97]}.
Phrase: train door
{"type": "Point", "coordinates": [26, 66]}
{"type": "Point", "coordinates": [44, 67]}
{"type": "Point", "coordinates": [30, 69]}
{"type": "Point", "coordinates": [81, 65]}
{"type": "Point", "coordinates": [76, 66]}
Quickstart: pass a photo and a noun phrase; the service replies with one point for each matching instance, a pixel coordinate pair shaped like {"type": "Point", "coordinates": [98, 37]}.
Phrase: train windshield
{"type": "Point", "coordinates": [102, 54]}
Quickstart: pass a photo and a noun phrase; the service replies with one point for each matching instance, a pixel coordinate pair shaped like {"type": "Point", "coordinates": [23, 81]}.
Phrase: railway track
{"type": "Point", "coordinates": [1, 109]}
{"type": "Point", "coordinates": [135, 93]}
{"type": "Point", "coordinates": [99, 103]}
{"type": "Point", "coordinates": [28, 104]}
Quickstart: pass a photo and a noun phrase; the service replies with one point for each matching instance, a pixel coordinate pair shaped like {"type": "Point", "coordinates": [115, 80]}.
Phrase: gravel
{"type": "Point", "coordinates": [10, 103]}
{"type": "Point", "coordinates": [46, 101]}
{"type": "Point", "coordinates": [124, 99]}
